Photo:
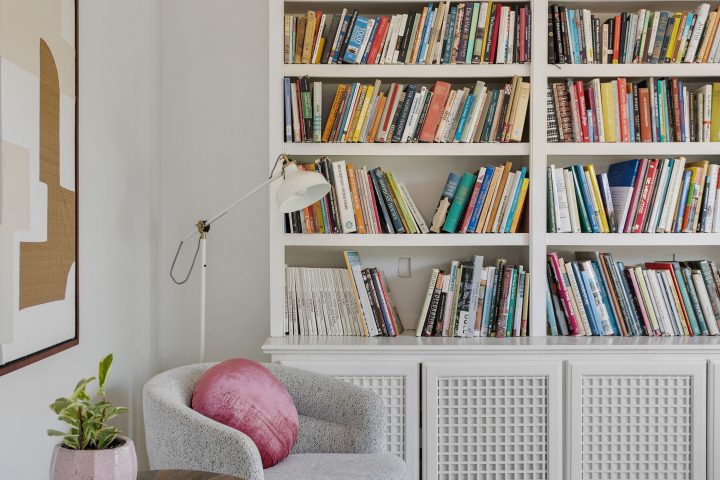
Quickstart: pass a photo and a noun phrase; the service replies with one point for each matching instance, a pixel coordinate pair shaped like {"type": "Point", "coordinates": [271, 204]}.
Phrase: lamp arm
{"type": "Point", "coordinates": [234, 204]}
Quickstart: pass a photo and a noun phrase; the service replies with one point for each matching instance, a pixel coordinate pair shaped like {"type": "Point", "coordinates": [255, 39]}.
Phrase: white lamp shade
{"type": "Point", "coordinates": [300, 188]}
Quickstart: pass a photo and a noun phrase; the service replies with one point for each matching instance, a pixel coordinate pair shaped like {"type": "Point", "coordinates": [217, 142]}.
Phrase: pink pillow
{"type": "Point", "coordinates": [246, 396]}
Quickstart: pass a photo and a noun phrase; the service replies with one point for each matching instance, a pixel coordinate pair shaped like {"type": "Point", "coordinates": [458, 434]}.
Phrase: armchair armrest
{"type": "Point", "coordinates": [180, 438]}
{"type": "Point", "coordinates": [335, 416]}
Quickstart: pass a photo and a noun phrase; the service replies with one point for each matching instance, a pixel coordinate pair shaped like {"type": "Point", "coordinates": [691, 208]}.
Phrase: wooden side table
{"type": "Point", "coordinates": [183, 475]}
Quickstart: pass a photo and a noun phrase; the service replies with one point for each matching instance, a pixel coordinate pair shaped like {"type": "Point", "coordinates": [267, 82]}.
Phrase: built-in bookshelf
{"type": "Point", "coordinates": [425, 166]}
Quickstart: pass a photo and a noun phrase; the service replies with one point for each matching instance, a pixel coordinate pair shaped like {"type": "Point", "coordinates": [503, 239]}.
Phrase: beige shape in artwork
{"type": "Point", "coordinates": [44, 266]}
{"type": "Point", "coordinates": [15, 191]}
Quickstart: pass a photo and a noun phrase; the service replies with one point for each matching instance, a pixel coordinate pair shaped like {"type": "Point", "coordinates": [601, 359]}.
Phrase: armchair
{"type": "Point", "coordinates": [341, 434]}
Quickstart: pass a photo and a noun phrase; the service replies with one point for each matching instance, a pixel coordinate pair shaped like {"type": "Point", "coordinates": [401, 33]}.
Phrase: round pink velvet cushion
{"type": "Point", "coordinates": [246, 396]}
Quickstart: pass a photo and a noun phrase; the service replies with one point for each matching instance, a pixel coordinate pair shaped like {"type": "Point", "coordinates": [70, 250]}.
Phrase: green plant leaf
{"type": "Point", "coordinates": [114, 412]}
{"type": "Point", "coordinates": [56, 433]}
{"type": "Point", "coordinates": [59, 405]}
{"type": "Point", "coordinates": [71, 441]}
{"type": "Point", "coordinates": [79, 392]}
{"type": "Point", "coordinates": [106, 436]}
{"type": "Point", "coordinates": [103, 370]}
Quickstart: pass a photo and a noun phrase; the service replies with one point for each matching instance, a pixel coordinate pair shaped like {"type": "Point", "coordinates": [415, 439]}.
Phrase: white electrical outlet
{"type": "Point", "coordinates": [404, 267]}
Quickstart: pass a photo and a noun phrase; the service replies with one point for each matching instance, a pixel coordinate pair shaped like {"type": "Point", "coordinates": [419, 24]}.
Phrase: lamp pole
{"type": "Point", "coordinates": [298, 190]}
{"type": "Point", "coordinates": [202, 228]}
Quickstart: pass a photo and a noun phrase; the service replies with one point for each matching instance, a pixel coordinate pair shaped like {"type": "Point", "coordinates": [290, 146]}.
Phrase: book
{"type": "Point", "coordinates": [459, 202]}
{"type": "Point", "coordinates": [342, 193]}
{"type": "Point", "coordinates": [446, 199]}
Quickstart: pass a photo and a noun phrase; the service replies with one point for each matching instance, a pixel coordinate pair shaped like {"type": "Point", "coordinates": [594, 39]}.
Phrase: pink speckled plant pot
{"type": "Point", "coordinates": [118, 463]}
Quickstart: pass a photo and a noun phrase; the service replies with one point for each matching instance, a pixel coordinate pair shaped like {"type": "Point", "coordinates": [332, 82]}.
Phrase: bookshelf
{"type": "Point", "coordinates": [394, 366]}
{"type": "Point", "coordinates": [424, 166]}
{"type": "Point", "coordinates": [407, 71]}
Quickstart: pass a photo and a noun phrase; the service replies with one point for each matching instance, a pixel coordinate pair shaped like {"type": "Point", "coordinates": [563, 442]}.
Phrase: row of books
{"type": "Point", "coordinates": [648, 36]}
{"type": "Point", "coordinates": [405, 113]}
{"type": "Point", "coordinates": [653, 110]}
{"type": "Point", "coordinates": [361, 200]}
{"type": "Point", "coordinates": [644, 195]}
{"type": "Point", "coordinates": [340, 301]}
{"type": "Point", "coordinates": [471, 300]}
{"type": "Point", "coordinates": [596, 295]}
{"type": "Point", "coordinates": [466, 32]}
{"type": "Point", "coordinates": [491, 200]}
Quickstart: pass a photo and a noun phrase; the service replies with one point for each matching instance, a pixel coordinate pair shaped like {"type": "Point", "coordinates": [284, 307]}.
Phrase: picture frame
{"type": "Point", "coordinates": [43, 318]}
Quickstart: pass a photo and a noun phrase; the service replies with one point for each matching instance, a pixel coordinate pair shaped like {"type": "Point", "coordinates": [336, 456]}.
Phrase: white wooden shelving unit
{"type": "Point", "coordinates": [457, 365]}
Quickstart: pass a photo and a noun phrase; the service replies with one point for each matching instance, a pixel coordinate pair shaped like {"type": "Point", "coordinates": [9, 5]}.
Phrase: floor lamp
{"type": "Point", "coordinates": [298, 189]}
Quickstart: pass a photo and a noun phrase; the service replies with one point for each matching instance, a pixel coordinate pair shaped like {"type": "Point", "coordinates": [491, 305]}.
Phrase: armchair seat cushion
{"type": "Point", "coordinates": [338, 466]}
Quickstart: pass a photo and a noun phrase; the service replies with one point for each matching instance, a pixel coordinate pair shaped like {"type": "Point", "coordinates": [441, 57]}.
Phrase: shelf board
{"type": "Point", "coordinates": [409, 343]}
{"type": "Point", "coordinates": [406, 71]}
{"type": "Point", "coordinates": [632, 239]}
{"type": "Point", "coordinates": [683, 70]}
{"type": "Point", "coordinates": [409, 149]}
{"type": "Point", "coordinates": [360, 2]}
{"type": "Point", "coordinates": [397, 240]}
{"type": "Point", "coordinates": [640, 149]}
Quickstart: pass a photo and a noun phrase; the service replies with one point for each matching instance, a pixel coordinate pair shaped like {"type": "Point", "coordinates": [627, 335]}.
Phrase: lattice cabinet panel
{"type": "Point", "coordinates": [391, 389]}
{"type": "Point", "coordinates": [491, 421]}
{"type": "Point", "coordinates": [398, 385]}
{"type": "Point", "coordinates": [635, 421]}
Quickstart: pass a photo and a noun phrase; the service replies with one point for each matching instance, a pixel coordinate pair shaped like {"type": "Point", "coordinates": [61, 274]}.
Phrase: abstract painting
{"type": "Point", "coordinates": [38, 180]}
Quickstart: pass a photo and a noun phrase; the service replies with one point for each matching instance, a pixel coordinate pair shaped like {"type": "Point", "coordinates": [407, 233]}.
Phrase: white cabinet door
{"type": "Point", "coordinates": [497, 420]}
{"type": "Point", "coordinates": [636, 420]}
{"type": "Point", "coordinates": [398, 384]}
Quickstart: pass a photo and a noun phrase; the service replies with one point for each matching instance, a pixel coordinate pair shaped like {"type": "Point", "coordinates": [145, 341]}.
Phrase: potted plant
{"type": "Point", "coordinates": [91, 449]}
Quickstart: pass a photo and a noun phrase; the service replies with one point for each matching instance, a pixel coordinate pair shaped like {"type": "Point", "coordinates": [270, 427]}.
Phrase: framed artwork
{"type": "Point", "coordinates": [38, 180]}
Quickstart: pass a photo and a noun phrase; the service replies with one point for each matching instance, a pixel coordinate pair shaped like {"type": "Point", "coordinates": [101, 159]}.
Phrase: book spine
{"type": "Point", "coordinates": [317, 112]}
{"type": "Point", "coordinates": [459, 202]}
{"type": "Point", "coordinates": [389, 203]}
{"type": "Point", "coordinates": [425, 311]}
{"type": "Point", "coordinates": [563, 293]}
{"type": "Point", "coordinates": [287, 97]}
{"type": "Point", "coordinates": [404, 113]}
{"type": "Point", "coordinates": [422, 225]}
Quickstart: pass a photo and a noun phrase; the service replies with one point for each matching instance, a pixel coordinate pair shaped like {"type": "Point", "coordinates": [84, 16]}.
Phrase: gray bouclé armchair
{"type": "Point", "coordinates": [341, 435]}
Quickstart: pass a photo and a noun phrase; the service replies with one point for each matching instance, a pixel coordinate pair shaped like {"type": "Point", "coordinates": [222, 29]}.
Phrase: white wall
{"type": "Point", "coordinates": [119, 139]}
{"type": "Point", "coordinates": [173, 126]}
{"type": "Point", "coordinates": [215, 148]}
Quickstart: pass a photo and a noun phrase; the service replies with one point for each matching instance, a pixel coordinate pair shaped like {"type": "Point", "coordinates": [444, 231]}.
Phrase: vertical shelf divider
{"type": "Point", "coordinates": [538, 160]}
